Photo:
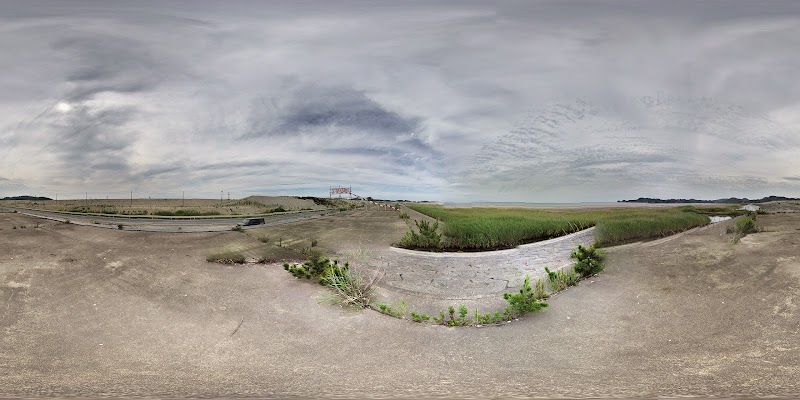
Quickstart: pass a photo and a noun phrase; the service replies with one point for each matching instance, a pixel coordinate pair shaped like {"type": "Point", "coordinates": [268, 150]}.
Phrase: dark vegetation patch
{"type": "Point", "coordinates": [185, 213]}
{"type": "Point", "coordinates": [227, 257]}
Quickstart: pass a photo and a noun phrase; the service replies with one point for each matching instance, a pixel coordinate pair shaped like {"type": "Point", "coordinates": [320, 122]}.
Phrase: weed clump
{"type": "Point", "coordinates": [560, 279]}
{"type": "Point", "coordinates": [350, 288]}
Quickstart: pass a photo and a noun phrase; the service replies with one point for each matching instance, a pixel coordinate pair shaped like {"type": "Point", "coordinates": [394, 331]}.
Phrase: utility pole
{"type": "Point", "coordinates": [183, 198]}
{"type": "Point", "coordinates": [87, 198]}
{"type": "Point", "coordinates": [229, 196]}
{"type": "Point", "coordinates": [131, 198]}
{"type": "Point", "coordinates": [220, 197]}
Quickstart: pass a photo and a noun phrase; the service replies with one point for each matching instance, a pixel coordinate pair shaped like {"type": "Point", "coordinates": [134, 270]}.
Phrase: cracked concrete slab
{"type": "Point", "coordinates": [473, 275]}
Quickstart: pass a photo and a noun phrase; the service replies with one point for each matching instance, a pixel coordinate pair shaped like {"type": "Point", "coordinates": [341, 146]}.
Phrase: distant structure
{"type": "Point", "coordinates": [341, 190]}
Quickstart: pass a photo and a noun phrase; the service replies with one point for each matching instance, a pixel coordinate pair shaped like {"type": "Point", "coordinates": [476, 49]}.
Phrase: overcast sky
{"type": "Point", "coordinates": [532, 101]}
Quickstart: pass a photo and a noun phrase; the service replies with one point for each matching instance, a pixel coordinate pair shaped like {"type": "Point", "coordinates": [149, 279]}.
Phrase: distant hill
{"type": "Point", "coordinates": [731, 200]}
{"type": "Point", "coordinates": [26, 198]}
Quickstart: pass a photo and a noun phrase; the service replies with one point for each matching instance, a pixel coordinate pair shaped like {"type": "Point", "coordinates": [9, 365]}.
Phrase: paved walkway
{"type": "Point", "coordinates": [474, 275]}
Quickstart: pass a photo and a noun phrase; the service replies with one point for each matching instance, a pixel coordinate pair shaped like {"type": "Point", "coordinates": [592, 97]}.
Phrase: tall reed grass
{"type": "Point", "coordinates": [479, 228]}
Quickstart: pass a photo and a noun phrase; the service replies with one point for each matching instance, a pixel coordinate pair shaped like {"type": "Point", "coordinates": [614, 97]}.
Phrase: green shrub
{"type": "Point", "coordinates": [589, 260]}
{"type": "Point", "coordinates": [349, 287]}
{"type": "Point", "coordinates": [523, 302]}
{"type": "Point", "coordinates": [744, 226]}
{"type": "Point", "coordinates": [404, 215]}
{"type": "Point", "coordinates": [263, 238]}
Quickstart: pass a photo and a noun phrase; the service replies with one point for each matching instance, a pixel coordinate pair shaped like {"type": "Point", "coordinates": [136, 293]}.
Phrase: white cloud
{"type": "Point", "coordinates": [458, 101]}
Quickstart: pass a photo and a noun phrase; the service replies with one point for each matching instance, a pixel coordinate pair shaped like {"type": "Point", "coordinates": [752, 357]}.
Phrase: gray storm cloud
{"type": "Point", "coordinates": [460, 101]}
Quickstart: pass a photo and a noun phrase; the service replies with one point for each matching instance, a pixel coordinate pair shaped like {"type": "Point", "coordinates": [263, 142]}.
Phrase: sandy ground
{"type": "Point", "coordinates": [91, 312]}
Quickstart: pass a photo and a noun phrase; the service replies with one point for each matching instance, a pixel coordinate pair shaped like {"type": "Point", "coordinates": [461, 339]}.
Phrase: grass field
{"type": "Point", "coordinates": [497, 228]}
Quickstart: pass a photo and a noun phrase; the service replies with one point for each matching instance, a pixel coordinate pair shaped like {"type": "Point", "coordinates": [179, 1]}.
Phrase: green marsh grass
{"type": "Point", "coordinates": [479, 228]}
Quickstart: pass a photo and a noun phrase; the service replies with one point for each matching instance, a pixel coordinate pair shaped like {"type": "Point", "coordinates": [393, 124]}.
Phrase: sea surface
{"type": "Point", "coordinates": [566, 205]}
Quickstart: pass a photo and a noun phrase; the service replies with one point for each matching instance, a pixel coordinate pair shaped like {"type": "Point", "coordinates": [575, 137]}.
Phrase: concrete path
{"type": "Point", "coordinates": [429, 282]}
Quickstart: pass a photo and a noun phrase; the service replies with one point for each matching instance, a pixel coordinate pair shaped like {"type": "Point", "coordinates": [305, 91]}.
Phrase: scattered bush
{"type": "Point", "coordinates": [419, 317]}
{"type": "Point", "coordinates": [404, 215]}
{"type": "Point", "coordinates": [227, 257]}
{"type": "Point", "coordinates": [120, 226]}
{"type": "Point", "coordinates": [263, 238]}
{"type": "Point", "coordinates": [539, 290]}
{"type": "Point", "coordinates": [237, 228]}
{"type": "Point", "coordinates": [590, 260]}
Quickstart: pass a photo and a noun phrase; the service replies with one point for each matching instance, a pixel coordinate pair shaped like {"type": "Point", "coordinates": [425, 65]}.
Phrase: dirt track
{"type": "Point", "coordinates": [99, 312]}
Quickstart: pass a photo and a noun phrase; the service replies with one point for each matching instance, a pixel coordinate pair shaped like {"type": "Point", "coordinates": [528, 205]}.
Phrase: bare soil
{"type": "Point", "coordinates": [96, 312]}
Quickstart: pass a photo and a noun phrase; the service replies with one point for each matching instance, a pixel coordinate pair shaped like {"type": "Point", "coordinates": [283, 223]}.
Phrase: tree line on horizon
{"type": "Point", "coordinates": [730, 200]}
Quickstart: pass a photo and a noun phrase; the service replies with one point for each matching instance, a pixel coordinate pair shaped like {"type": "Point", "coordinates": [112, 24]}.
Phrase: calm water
{"type": "Point", "coordinates": [565, 205]}
{"type": "Point", "coordinates": [715, 218]}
